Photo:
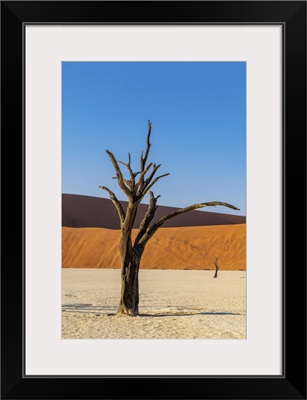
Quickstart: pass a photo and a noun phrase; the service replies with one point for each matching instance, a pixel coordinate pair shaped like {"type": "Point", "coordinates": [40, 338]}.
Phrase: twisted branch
{"type": "Point", "coordinates": [144, 159]}
{"type": "Point", "coordinates": [148, 217]}
{"type": "Point", "coordinates": [155, 180]}
{"type": "Point", "coordinates": [128, 166]}
{"type": "Point", "coordinates": [151, 231]}
{"type": "Point", "coordinates": [116, 203]}
{"type": "Point", "coordinates": [119, 175]}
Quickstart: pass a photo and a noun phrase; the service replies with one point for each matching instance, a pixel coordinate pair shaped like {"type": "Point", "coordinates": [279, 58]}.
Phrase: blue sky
{"type": "Point", "coordinates": [198, 115]}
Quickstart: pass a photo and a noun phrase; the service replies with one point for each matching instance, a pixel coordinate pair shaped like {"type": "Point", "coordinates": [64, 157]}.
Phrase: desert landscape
{"type": "Point", "coordinates": [173, 305]}
{"type": "Point", "coordinates": [178, 296]}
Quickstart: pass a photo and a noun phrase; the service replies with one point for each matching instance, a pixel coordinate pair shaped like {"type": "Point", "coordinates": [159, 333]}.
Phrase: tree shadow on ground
{"type": "Point", "coordinates": [108, 310]}
{"type": "Point", "coordinates": [86, 308]}
{"type": "Point", "coordinates": [186, 314]}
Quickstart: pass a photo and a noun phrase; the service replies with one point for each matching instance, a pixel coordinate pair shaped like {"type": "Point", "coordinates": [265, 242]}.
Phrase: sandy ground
{"type": "Point", "coordinates": [174, 304]}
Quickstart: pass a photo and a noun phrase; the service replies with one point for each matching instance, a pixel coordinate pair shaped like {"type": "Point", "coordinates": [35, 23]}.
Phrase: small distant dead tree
{"type": "Point", "coordinates": [216, 264]}
{"type": "Point", "coordinates": [135, 190]}
{"type": "Point", "coordinates": [215, 261]}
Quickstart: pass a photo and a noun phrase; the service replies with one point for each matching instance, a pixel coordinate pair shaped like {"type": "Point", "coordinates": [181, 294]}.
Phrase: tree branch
{"type": "Point", "coordinates": [173, 214]}
{"type": "Point", "coordinates": [143, 186]}
{"type": "Point", "coordinates": [144, 159]}
{"type": "Point", "coordinates": [154, 170]}
{"type": "Point", "coordinates": [116, 203]}
{"type": "Point", "coordinates": [148, 217]}
{"type": "Point", "coordinates": [119, 175]}
{"type": "Point", "coordinates": [140, 182]}
{"type": "Point", "coordinates": [129, 184]}
{"type": "Point", "coordinates": [128, 166]}
{"type": "Point", "coordinates": [154, 181]}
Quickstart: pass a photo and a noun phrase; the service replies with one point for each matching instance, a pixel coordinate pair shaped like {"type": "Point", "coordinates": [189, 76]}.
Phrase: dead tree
{"type": "Point", "coordinates": [135, 190]}
{"type": "Point", "coordinates": [215, 261]}
{"type": "Point", "coordinates": [216, 264]}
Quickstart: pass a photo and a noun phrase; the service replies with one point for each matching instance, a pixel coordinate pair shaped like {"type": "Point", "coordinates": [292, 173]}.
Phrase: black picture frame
{"type": "Point", "coordinates": [292, 16]}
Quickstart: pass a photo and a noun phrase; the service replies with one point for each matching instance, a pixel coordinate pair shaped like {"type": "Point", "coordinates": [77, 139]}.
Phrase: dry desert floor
{"type": "Point", "coordinates": [174, 304]}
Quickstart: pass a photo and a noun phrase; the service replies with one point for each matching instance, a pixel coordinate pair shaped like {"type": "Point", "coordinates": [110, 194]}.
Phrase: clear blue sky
{"type": "Point", "coordinates": [198, 115]}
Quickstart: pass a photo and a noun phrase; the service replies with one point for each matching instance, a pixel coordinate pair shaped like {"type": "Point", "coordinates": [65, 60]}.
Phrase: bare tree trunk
{"type": "Point", "coordinates": [216, 264]}
{"type": "Point", "coordinates": [129, 299]}
{"type": "Point", "coordinates": [131, 258]}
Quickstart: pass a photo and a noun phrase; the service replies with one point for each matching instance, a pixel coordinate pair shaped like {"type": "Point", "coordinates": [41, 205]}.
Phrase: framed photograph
{"type": "Point", "coordinates": [215, 92]}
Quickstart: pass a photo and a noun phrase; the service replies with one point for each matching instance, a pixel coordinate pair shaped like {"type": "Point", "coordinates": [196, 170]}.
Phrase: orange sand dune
{"type": "Point", "coordinates": [170, 248]}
